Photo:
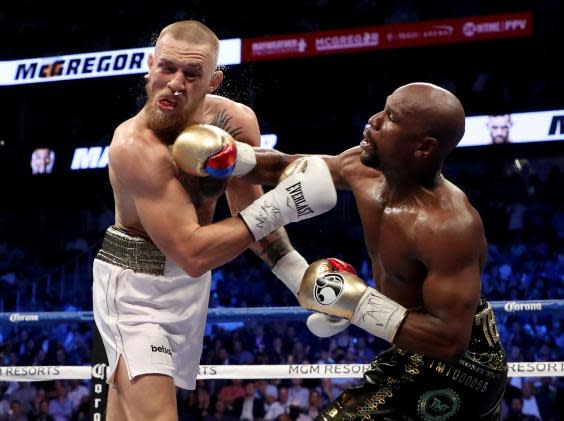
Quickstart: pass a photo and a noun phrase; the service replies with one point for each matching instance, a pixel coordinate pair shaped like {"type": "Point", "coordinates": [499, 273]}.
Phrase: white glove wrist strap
{"type": "Point", "coordinates": [246, 159]}
{"type": "Point", "coordinates": [290, 270]}
{"type": "Point", "coordinates": [379, 315]}
{"type": "Point", "coordinates": [263, 215]}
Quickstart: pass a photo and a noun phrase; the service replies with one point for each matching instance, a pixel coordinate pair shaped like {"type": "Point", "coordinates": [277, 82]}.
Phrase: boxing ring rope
{"type": "Point", "coordinates": [219, 315]}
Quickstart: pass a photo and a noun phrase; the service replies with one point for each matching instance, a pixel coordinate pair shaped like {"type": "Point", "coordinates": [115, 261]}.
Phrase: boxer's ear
{"type": "Point", "coordinates": [427, 147]}
{"type": "Point", "coordinates": [215, 81]}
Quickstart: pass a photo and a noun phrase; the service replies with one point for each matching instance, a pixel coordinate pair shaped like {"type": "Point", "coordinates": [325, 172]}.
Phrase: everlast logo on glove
{"type": "Point", "coordinates": [162, 349]}
{"type": "Point", "coordinates": [297, 196]}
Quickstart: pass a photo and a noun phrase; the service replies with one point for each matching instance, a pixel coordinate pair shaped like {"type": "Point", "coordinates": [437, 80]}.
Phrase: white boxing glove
{"type": "Point", "coordinates": [290, 269]}
{"type": "Point", "coordinates": [307, 192]}
{"type": "Point", "coordinates": [324, 325]}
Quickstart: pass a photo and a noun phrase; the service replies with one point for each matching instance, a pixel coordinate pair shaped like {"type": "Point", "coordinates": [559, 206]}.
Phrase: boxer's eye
{"type": "Point", "coordinates": [191, 75]}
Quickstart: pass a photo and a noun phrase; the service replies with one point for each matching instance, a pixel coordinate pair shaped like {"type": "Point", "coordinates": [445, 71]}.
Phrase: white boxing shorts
{"type": "Point", "coordinates": [148, 310]}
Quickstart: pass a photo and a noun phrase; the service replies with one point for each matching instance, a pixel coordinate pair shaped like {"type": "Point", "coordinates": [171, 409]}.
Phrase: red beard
{"type": "Point", "coordinates": [165, 123]}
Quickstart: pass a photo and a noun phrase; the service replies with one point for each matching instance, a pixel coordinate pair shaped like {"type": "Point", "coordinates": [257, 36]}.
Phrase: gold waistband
{"type": "Point", "coordinates": [131, 252]}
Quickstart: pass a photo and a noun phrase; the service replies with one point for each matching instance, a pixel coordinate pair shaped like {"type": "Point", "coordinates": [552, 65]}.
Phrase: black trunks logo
{"type": "Point", "coordinates": [438, 405]}
{"type": "Point", "coordinates": [162, 349]}
{"type": "Point", "coordinates": [328, 288]}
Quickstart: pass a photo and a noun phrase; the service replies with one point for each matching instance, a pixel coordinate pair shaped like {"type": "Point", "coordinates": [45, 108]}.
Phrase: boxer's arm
{"type": "Point", "coordinates": [451, 290]}
{"type": "Point", "coordinates": [449, 248]}
{"type": "Point", "coordinates": [345, 168]}
{"type": "Point", "coordinates": [147, 174]}
{"type": "Point", "coordinates": [241, 122]}
{"type": "Point", "coordinates": [275, 250]}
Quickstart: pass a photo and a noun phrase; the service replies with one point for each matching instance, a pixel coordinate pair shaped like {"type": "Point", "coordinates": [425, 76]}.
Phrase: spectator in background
{"type": "Point", "coordinates": [276, 353]}
{"type": "Point", "coordinates": [203, 401]}
{"type": "Point", "coordinates": [4, 402]}
{"type": "Point", "coordinates": [24, 393]}
{"type": "Point", "coordinates": [230, 392]}
{"type": "Point", "coordinates": [499, 126]}
{"type": "Point", "coordinates": [365, 355]}
{"type": "Point", "coordinates": [326, 391]}
{"type": "Point", "coordinates": [314, 404]}
{"type": "Point", "coordinates": [219, 413]}
{"type": "Point", "coordinates": [240, 355]}
{"type": "Point", "coordinates": [61, 407]}
{"type": "Point", "coordinates": [249, 407]}
{"type": "Point", "coordinates": [273, 407]}
{"type": "Point", "coordinates": [516, 412]}
{"type": "Point", "coordinates": [78, 392]}
{"type": "Point", "coordinates": [557, 333]}
{"type": "Point", "coordinates": [16, 412]}
{"type": "Point", "coordinates": [43, 414]}
{"type": "Point", "coordinates": [298, 395]}
{"type": "Point", "coordinates": [283, 398]}
{"type": "Point", "coordinates": [42, 161]}
{"type": "Point", "coordinates": [531, 405]}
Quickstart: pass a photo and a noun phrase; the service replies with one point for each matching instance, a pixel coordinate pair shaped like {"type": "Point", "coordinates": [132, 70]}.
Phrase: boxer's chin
{"type": "Point", "coordinates": [166, 122]}
{"type": "Point", "coordinates": [370, 158]}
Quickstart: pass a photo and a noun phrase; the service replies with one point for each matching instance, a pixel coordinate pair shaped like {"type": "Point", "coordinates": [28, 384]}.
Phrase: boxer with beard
{"type": "Point", "coordinates": [152, 275]}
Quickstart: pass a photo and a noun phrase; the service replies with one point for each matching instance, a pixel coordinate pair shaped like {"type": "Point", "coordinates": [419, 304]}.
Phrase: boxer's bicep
{"type": "Point", "coordinates": [451, 289]}
{"type": "Point", "coordinates": [165, 211]}
{"type": "Point", "coordinates": [453, 296]}
{"type": "Point", "coordinates": [451, 255]}
{"type": "Point", "coordinates": [168, 216]}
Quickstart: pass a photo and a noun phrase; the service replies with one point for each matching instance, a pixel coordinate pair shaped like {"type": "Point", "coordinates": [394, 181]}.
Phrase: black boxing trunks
{"type": "Point", "coordinates": [402, 386]}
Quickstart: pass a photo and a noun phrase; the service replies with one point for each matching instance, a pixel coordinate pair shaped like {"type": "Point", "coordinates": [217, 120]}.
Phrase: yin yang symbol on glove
{"type": "Point", "coordinates": [328, 288]}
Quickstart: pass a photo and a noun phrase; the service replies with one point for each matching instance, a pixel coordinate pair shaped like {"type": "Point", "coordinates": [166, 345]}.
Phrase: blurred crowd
{"type": "Point", "coordinates": [524, 220]}
{"type": "Point", "coordinates": [254, 342]}
{"type": "Point", "coordinates": [523, 216]}
{"type": "Point", "coordinates": [50, 236]}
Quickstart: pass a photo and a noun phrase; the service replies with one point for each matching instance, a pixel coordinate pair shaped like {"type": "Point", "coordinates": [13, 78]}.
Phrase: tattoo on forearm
{"type": "Point", "coordinates": [222, 120]}
{"type": "Point", "coordinates": [272, 247]}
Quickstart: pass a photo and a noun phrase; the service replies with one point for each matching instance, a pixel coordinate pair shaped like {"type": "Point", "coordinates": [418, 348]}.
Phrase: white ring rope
{"type": "Point", "coordinates": [294, 371]}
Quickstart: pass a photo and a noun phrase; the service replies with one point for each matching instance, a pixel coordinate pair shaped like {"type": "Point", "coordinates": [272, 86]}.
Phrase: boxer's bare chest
{"type": "Point", "coordinates": [391, 245]}
{"type": "Point", "coordinates": [205, 191]}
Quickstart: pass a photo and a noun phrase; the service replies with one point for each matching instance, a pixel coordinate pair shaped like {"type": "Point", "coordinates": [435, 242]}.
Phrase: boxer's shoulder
{"type": "Point", "coordinates": [217, 103]}
{"type": "Point", "coordinates": [134, 154]}
{"type": "Point", "coordinates": [353, 171]}
{"type": "Point", "coordinates": [238, 119]}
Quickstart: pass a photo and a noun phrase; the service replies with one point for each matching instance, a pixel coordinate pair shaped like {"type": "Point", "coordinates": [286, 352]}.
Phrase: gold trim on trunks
{"type": "Point", "coordinates": [486, 320]}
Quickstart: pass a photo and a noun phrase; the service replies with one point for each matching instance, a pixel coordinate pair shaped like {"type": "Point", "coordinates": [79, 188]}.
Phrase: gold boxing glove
{"type": "Point", "coordinates": [204, 149]}
{"type": "Point", "coordinates": [331, 286]}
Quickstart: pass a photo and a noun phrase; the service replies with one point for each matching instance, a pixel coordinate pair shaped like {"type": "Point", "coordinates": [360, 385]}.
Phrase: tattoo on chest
{"type": "Point", "coordinates": [222, 120]}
